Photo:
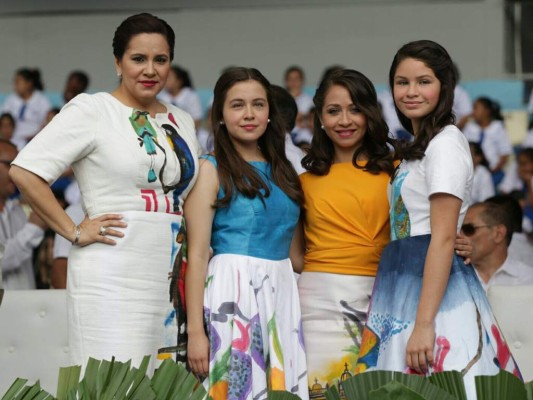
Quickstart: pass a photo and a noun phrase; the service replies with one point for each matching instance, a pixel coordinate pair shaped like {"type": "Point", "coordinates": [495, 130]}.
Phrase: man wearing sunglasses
{"type": "Point", "coordinates": [490, 228]}
{"type": "Point", "coordinates": [18, 233]}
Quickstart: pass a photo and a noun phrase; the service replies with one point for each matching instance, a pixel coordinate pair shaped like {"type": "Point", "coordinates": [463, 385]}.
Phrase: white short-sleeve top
{"type": "Point", "coordinates": [446, 168]}
{"type": "Point", "coordinates": [94, 134]}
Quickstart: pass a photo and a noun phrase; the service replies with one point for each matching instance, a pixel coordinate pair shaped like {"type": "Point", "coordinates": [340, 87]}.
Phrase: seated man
{"type": "Point", "coordinates": [490, 229]}
{"type": "Point", "coordinates": [18, 233]}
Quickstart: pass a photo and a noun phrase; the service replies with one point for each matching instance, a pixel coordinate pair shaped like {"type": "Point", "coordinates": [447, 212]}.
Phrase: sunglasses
{"type": "Point", "coordinates": [471, 229]}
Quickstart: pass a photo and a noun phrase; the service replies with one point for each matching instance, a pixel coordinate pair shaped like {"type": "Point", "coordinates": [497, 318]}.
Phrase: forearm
{"type": "Point", "coordinates": [435, 280]}
{"type": "Point", "coordinates": [194, 293]}
{"type": "Point", "coordinates": [39, 196]}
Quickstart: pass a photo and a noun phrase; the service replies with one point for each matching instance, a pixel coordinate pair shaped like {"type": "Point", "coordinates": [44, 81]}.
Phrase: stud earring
{"type": "Point", "coordinates": [119, 74]}
{"type": "Point", "coordinates": [268, 121]}
{"type": "Point", "coordinates": [322, 127]}
{"type": "Point", "coordinates": [221, 123]}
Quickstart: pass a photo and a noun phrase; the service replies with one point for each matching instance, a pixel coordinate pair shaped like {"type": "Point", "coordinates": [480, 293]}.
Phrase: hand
{"type": "Point", "coordinates": [464, 247]}
{"type": "Point", "coordinates": [36, 220]}
{"type": "Point", "coordinates": [419, 353]}
{"type": "Point", "coordinates": [198, 354]}
{"type": "Point", "coordinates": [90, 229]}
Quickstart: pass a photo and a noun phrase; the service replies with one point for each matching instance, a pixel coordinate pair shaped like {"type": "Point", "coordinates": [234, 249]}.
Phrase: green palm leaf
{"type": "Point", "coordinates": [69, 378]}
{"type": "Point", "coordinates": [503, 386]}
{"type": "Point", "coordinates": [395, 391]}
{"type": "Point", "coordinates": [18, 391]}
{"type": "Point", "coordinates": [282, 395]}
{"type": "Point", "coordinates": [359, 386]}
{"type": "Point", "coordinates": [529, 390]}
{"type": "Point", "coordinates": [451, 381]}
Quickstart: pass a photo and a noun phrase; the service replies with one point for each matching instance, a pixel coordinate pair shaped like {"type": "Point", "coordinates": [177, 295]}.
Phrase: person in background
{"type": "Point", "coordinates": [246, 206]}
{"type": "Point", "coordinates": [521, 246]}
{"type": "Point", "coordinates": [28, 105]}
{"type": "Point", "coordinates": [180, 92]}
{"type": "Point", "coordinates": [7, 126]}
{"type": "Point", "coordinates": [135, 160]}
{"type": "Point", "coordinates": [428, 311]}
{"type": "Point", "coordinates": [482, 185]}
{"type": "Point", "coordinates": [462, 104]}
{"type": "Point", "coordinates": [490, 227]}
{"type": "Point", "coordinates": [19, 234]}
{"type": "Point", "coordinates": [294, 79]}
{"type": "Point", "coordinates": [487, 129]}
{"type": "Point", "coordinates": [288, 112]}
{"type": "Point", "coordinates": [524, 188]}
{"type": "Point", "coordinates": [77, 83]}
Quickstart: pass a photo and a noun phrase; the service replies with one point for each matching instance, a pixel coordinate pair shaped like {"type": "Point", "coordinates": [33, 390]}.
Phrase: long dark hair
{"type": "Point", "coordinates": [376, 141]}
{"type": "Point", "coordinates": [435, 57]}
{"type": "Point", "coordinates": [141, 23]}
{"type": "Point", "coordinates": [233, 171]}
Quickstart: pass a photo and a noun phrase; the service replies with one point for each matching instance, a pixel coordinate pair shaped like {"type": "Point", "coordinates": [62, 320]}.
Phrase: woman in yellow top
{"type": "Point", "coordinates": [345, 223]}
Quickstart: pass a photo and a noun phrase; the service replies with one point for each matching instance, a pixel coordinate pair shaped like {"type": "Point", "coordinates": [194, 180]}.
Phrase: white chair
{"type": "Point", "coordinates": [512, 306]}
{"type": "Point", "coordinates": [33, 337]}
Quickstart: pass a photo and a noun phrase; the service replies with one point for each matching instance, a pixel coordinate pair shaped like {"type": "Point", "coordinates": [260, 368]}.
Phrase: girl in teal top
{"type": "Point", "coordinates": [246, 207]}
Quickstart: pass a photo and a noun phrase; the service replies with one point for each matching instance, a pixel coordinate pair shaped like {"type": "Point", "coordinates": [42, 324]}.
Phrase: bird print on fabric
{"type": "Point", "coordinates": [147, 138]}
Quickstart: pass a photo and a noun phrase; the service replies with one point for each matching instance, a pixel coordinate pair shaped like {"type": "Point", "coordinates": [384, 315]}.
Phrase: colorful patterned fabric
{"type": "Point", "coordinates": [254, 328]}
{"type": "Point", "coordinates": [467, 336]}
{"type": "Point", "coordinates": [252, 310]}
{"type": "Point", "coordinates": [333, 322]}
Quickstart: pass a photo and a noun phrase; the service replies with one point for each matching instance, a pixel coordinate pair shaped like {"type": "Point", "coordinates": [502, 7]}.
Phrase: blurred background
{"type": "Point", "coordinates": [489, 39]}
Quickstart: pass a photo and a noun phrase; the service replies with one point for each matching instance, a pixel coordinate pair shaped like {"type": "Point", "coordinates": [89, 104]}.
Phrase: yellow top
{"type": "Point", "coordinates": [346, 220]}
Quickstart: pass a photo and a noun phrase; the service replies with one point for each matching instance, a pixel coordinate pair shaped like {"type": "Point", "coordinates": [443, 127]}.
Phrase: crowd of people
{"type": "Point", "coordinates": [324, 235]}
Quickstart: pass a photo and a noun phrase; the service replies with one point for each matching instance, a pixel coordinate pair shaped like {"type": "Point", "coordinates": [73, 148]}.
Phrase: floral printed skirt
{"type": "Point", "coordinates": [467, 338]}
{"type": "Point", "coordinates": [253, 320]}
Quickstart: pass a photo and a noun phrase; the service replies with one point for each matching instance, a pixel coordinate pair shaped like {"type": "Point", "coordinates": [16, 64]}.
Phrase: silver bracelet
{"type": "Point", "coordinates": [77, 235]}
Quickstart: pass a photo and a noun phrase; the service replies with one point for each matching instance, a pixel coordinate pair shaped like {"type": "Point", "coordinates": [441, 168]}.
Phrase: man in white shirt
{"type": "Point", "coordinates": [490, 229]}
{"type": "Point", "coordinates": [18, 233]}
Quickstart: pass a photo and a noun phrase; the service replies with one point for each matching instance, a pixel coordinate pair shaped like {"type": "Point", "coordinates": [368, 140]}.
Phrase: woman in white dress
{"type": "Point", "coordinates": [135, 160]}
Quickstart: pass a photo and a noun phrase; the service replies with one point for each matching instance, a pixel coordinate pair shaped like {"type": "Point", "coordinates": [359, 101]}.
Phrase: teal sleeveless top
{"type": "Point", "coordinates": [252, 228]}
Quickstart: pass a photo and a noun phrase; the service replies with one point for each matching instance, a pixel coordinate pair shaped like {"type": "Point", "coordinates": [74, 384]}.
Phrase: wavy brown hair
{"type": "Point", "coordinates": [435, 57]}
{"type": "Point", "coordinates": [233, 171]}
{"type": "Point", "coordinates": [376, 145]}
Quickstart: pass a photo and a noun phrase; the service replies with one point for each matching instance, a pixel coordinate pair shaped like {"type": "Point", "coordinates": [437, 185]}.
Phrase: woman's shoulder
{"type": "Point", "coordinates": [449, 134]}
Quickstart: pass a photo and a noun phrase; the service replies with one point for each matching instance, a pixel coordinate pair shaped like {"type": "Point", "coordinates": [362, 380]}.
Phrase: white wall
{"type": "Point", "coordinates": [362, 36]}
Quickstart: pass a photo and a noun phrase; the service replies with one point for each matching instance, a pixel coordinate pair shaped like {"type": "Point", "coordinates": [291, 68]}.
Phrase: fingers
{"type": "Point", "coordinates": [200, 366]}
{"type": "Point", "coordinates": [420, 361]}
{"type": "Point", "coordinates": [101, 229]}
